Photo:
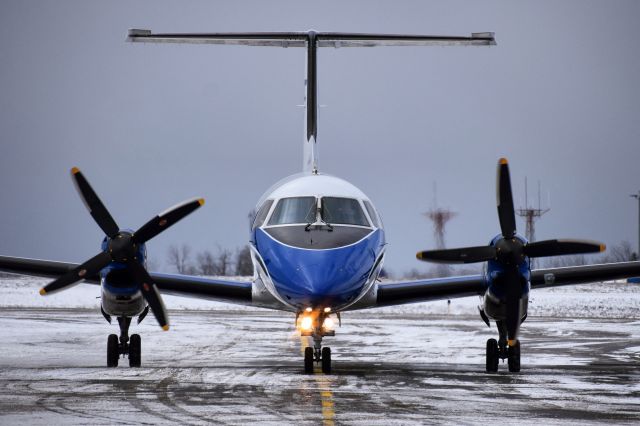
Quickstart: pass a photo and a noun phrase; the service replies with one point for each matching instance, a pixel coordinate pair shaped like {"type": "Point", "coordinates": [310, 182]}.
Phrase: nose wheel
{"type": "Point", "coordinates": [317, 354]}
{"type": "Point", "coordinates": [324, 357]}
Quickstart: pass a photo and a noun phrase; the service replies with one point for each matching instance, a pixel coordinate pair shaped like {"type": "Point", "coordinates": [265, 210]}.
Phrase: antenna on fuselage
{"type": "Point", "coordinates": [311, 40]}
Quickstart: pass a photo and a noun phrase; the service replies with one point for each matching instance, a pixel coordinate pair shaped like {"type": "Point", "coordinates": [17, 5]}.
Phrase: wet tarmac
{"type": "Point", "coordinates": [232, 367]}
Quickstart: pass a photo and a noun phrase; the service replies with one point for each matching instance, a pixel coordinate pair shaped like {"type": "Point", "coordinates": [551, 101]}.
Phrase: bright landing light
{"type": "Point", "coordinates": [306, 324]}
{"type": "Point", "coordinates": [328, 324]}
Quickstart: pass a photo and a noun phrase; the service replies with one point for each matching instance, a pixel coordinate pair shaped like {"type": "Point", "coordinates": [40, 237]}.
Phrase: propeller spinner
{"type": "Point", "coordinates": [510, 251]}
{"type": "Point", "coordinates": [122, 246]}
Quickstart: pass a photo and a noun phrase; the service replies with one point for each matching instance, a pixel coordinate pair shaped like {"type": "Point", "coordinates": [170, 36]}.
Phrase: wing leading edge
{"type": "Point", "coordinates": [399, 293]}
{"type": "Point", "coordinates": [236, 292]}
{"type": "Point", "coordinates": [425, 290]}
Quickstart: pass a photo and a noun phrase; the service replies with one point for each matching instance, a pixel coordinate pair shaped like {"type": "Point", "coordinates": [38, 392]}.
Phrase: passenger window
{"type": "Point", "coordinates": [372, 214]}
{"type": "Point", "coordinates": [347, 211]}
{"type": "Point", "coordinates": [294, 210]}
{"type": "Point", "coordinates": [262, 214]}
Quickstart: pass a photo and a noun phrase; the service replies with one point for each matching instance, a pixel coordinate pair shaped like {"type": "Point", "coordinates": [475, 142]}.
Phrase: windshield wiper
{"type": "Point", "coordinates": [318, 223]}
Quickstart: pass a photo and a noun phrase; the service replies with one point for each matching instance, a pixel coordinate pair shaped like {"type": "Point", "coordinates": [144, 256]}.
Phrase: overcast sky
{"type": "Point", "coordinates": [151, 125]}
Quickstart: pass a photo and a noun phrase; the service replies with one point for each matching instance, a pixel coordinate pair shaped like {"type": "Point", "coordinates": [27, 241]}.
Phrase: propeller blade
{"type": "Point", "coordinates": [165, 219]}
{"type": "Point", "coordinates": [562, 247]}
{"type": "Point", "coordinates": [87, 269]}
{"type": "Point", "coordinates": [506, 212]}
{"type": "Point", "coordinates": [459, 255]}
{"type": "Point", "coordinates": [150, 293]}
{"type": "Point", "coordinates": [98, 211]}
{"type": "Point", "coordinates": [513, 293]}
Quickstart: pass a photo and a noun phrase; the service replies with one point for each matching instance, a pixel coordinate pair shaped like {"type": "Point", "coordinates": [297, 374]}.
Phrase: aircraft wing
{"type": "Point", "coordinates": [541, 278]}
{"type": "Point", "coordinates": [399, 293]}
{"type": "Point", "coordinates": [402, 292]}
{"type": "Point", "coordinates": [237, 292]}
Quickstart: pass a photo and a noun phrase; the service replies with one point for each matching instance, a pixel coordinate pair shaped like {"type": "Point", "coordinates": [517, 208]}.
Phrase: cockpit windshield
{"type": "Point", "coordinates": [333, 211]}
{"type": "Point", "coordinates": [345, 211]}
{"type": "Point", "coordinates": [294, 210]}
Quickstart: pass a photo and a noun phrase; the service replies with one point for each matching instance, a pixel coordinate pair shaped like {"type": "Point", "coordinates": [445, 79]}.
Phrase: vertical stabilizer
{"type": "Point", "coordinates": [310, 152]}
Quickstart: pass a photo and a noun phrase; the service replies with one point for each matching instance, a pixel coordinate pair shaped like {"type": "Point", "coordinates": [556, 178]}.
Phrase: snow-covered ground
{"type": "Point", "coordinates": [415, 364]}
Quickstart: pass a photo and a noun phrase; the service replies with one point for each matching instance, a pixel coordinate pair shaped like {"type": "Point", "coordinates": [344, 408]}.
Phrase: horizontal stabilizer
{"type": "Point", "coordinates": [299, 39]}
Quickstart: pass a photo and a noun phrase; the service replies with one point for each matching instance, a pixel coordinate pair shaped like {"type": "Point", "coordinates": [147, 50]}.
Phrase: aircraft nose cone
{"type": "Point", "coordinates": [318, 278]}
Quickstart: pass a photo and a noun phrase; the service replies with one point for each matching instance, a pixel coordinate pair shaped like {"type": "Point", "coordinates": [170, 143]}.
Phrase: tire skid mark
{"type": "Point", "coordinates": [168, 401]}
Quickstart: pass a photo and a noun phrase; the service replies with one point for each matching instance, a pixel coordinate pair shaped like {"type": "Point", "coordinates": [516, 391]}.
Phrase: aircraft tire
{"type": "Point", "coordinates": [514, 357]}
{"type": "Point", "coordinates": [492, 356]}
{"type": "Point", "coordinates": [113, 351]}
{"type": "Point", "coordinates": [135, 350]}
{"type": "Point", "coordinates": [308, 360]}
{"type": "Point", "coordinates": [326, 360]}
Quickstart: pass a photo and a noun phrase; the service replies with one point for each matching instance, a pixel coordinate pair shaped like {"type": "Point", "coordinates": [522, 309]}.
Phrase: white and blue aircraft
{"type": "Point", "coordinates": [317, 242]}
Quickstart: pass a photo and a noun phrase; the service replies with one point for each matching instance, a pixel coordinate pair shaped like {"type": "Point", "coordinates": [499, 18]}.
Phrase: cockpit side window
{"type": "Point", "coordinates": [372, 214]}
{"type": "Point", "coordinates": [262, 214]}
{"type": "Point", "coordinates": [346, 211]}
{"type": "Point", "coordinates": [294, 210]}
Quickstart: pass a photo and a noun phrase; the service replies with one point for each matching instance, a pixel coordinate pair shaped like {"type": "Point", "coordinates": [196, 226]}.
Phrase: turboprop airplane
{"type": "Point", "coordinates": [317, 242]}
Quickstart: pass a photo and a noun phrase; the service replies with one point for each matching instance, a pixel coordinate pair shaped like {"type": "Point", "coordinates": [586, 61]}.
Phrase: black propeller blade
{"type": "Point", "coordinates": [90, 199]}
{"type": "Point", "coordinates": [562, 247]}
{"type": "Point", "coordinates": [165, 219]}
{"type": "Point", "coordinates": [87, 269]}
{"type": "Point", "coordinates": [150, 293]}
{"type": "Point", "coordinates": [122, 246]}
{"type": "Point", "coordinates": [459, 255]}
{"type": "Point", "coordinates": [513, 284]}
{"type": "Point", "coordinates": [506, 212]}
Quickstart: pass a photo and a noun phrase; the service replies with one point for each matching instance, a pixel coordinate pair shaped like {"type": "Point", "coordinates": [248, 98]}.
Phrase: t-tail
{"type": "Point", "coordinates": [311, 40]}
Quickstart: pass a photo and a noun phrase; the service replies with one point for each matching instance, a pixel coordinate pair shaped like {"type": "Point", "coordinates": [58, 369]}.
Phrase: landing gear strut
{"type": "Point", "coordinates": [497, 350]}
{"type": "Point", "coordinates": [317, 353]}
{"type": "Point", "coordinates": [125, 345]}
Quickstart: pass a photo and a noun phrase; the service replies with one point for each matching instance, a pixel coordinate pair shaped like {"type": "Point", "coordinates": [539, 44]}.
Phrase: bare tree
{"type": "Point", "coordinates": [224, 262]}
{"type": "Point", "coordinates": [564, 261]}
{"type": "Point", "coordinates": [179, 258]}
{"type": "Point", "coordinates": [623, 252]}
{"type": "Point", "coordinates": [206, 263]}
{"type": "Point", "coordinates": [244, 265]}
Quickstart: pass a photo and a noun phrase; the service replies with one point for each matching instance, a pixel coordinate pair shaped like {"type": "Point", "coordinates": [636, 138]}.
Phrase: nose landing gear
{"type": "Point", "coordinates": [317, 353]}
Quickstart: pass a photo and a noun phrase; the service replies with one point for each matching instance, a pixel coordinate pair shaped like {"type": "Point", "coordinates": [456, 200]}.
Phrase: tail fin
{"type": "Point", "coordinates": [311, 40]}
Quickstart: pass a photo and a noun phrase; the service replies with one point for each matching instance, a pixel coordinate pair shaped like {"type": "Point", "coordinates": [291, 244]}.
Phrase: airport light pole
{"type": "Point", "coordinates": [637, 197]}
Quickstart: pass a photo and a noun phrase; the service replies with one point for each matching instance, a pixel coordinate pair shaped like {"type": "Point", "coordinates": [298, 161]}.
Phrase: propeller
{"type": "Point", "coordinates": [122, 246]}
{"type": "Point", "coordinates": [510, 251]}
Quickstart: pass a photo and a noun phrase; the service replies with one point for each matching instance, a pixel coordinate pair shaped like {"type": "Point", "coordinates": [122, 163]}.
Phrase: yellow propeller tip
{"type": "Point", "coordinates": [201, 201]}
{"type": "Point", "coordinates": [503, 161]}
{"type": "Point", "coordinates": [603, 247]}
{"type": "Point", "coordinates": [43, 292]}
{"type": "Point", "coordinates": [165, 327]}
{"type": "Point", "coordinates": [419, 255]}
{"type": "Point", "coordinates": [75, 170]}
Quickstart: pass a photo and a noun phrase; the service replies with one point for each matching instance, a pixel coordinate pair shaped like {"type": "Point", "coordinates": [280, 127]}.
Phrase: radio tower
{"type": "Point", "coordinates": [531, 214]}
{"type": "Point", "coordinates": [439, 217]}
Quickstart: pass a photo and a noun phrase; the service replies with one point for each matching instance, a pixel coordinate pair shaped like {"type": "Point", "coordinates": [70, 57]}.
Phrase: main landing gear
{"type": "Point", "coordinates": [497, 350]}
{"type": "Point", "coordinates": [317, 326]}
{"type": "Point", "coordinates": [125, 345]}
